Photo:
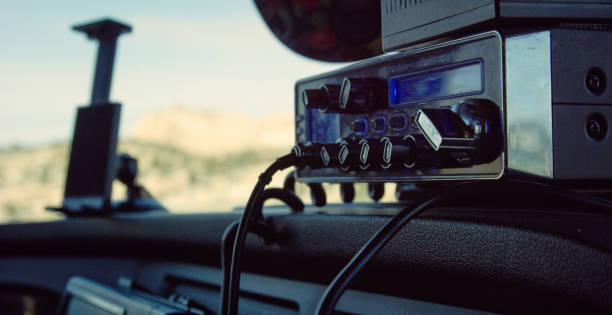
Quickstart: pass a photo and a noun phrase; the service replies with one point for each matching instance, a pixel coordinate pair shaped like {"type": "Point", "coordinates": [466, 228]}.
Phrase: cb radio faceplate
{"type": "Point", "coordinates": [534, 103]}
{"type": "Point", "coordinates": [378, 100]}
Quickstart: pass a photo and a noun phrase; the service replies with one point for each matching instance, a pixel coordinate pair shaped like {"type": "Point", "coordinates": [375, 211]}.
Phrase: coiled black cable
{"type": "Point", "coordinates": [230, 304]}
{"type": "Point", "coordinates": [259, 227]}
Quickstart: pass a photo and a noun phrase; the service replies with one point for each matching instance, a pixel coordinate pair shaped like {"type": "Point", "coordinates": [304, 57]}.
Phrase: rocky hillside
{"type": "Point", "coordinates": [213, 133]}
{"type": "Point", "coordinates": [189, 160]}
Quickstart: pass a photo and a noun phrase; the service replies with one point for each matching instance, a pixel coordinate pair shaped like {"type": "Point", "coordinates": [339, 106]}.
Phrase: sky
{"type": "Point", "coordinates": [203, 54]}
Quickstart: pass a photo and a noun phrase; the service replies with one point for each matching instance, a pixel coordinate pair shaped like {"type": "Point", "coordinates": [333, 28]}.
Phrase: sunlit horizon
{"type": "Point", "coordinates": [197, 54]}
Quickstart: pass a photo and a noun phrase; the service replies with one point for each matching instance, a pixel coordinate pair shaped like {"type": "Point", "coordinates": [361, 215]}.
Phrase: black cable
{"type": "Point", "coordinates": [335, 290]}
{"type": "Point", "coordinates": [227, 247]}
{"type": "Point", "coordinates": [289, 182]}
{"type": "Point", "coordinates": [257, 226]}
{"type": "Point", "coordinates": [347, 192]}
{"type": "Point", "coordinates": [240, 237]}
{"type": "Point", "coordinates": [286, 196]}
{"type": "Point", "coordinates": [317, 193]}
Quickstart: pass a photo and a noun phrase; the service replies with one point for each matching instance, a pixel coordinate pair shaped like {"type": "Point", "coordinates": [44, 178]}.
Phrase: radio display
{"type": "Point", "coordinates": [323, 127]}
{"type": "Point", "coordinates": [434, 84]}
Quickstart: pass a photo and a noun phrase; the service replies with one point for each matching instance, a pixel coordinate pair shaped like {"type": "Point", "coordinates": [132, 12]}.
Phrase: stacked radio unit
{"type": "Point", "coordinates": [506, 99]}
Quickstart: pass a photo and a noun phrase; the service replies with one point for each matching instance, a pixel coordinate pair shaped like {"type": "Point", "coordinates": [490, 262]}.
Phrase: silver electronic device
{"type": "Point", "coordinates": [84, 296]}
{"type": "Point", "coordinates": [408, 22]}
{"type": "Point", "coordinates": [530, 102]}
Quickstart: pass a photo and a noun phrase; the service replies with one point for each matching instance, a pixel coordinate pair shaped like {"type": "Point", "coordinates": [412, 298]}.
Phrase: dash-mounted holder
{"type": "Point", "coordinates": [106, 33]}
{"type": "Point", "coordinates": [92, 165]}
{"type": "Point", "coordinates": [93, 161]}
{"type": "Point", "coordinates": [137, 197]}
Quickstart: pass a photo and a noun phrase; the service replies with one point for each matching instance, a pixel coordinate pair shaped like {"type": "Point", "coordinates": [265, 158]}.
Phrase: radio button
{"type": "Point", "coordinates": [379, 124]}
{"type": "Point", "coordinates": [360, 126]}
{"type": "Point", "coordinates": [398, 122]}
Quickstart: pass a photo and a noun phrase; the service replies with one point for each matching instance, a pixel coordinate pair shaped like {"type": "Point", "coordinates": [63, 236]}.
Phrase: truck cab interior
{"type": "Point", "coordinates": [519, 244]}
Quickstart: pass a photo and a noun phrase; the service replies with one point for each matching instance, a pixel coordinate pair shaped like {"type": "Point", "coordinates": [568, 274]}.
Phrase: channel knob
{"type": "Point", "coordinates": [358, 95]}
{"type": "Point", "coordinates": [349, 155]}
{"type": "Point", "coordinates": [399, 152]}
{"type": "Point", "coordinates": [325, 98]}
{"type": "Point", "coordinates": [314, 98]}
{"type": "Point", "coordinates": [372, 153]}
{"type": "Point", "coordinates": [330, 155]}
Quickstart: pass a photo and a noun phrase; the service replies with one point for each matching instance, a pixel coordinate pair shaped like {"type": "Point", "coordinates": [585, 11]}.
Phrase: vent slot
{"type": "Point", "coordinates": [397, 6]}
{"type": "Point", "coordinates": [208, 294]}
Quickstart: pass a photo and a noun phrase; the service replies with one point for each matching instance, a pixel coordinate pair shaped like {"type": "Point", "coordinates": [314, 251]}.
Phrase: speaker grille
{"type": "Point", "coordinates": [396, 6]}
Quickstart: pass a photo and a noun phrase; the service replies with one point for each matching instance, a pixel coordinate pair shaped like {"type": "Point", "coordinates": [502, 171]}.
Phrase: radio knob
{"type": "Point", "coordinates": [325, 98]}
{"type": "Point", "coordinates": [330, 154]}
{"type": "Point", "coordinates": [314, 98]}
{"type": "Point", "coordinates": [398, 152]}
{"type": "Point", "coordinates": [372, 153]}
{"type": "Point", "coordinates": [358, 95]}
{"type": "Point", "coordinates": [349, 155]}
{"type": "Point", "coordinates": [333, 97]}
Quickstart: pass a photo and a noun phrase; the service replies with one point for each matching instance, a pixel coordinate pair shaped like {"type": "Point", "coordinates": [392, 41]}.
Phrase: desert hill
{"type": "Point", "coordinates": [190, 160]}
{"type": "Point", "coordinates": [215, 133]}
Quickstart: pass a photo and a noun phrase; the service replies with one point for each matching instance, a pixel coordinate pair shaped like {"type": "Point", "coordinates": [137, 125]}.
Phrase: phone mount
{"type": "Point", "coordinates": [94, 164]}
{"type": "Point", "coordinates": [106, 32]}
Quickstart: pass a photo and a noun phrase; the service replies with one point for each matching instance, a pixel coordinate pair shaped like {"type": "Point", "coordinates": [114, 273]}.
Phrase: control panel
{"type": "Point", "coordinates": [433, 113]}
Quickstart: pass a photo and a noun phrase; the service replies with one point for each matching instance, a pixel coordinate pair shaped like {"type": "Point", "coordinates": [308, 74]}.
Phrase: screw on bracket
{"type": "Point", "coordinates": [596, 126]}
{"type": "Point", "coordinates": [595, 81]}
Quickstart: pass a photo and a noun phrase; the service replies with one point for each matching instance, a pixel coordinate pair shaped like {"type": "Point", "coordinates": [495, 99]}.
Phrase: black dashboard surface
{"type": "Point", "coordinates": [496, 260]}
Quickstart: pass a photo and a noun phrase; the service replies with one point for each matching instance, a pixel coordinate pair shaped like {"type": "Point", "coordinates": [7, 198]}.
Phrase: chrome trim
{"type": "Point", "coordinates": [77, 203]}
{"type": "Point", "coordinates": [428, 130]}
{"type": "Point", "coordinates": [529, 103]}
{"type": "Point", "coordinates": [100, 303]}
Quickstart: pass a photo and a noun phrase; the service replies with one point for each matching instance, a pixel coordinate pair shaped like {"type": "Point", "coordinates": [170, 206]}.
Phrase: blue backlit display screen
{"type": "Point", "coordinates": [322, 127]}
{"type": "Point", "coordinates": [456, 80]}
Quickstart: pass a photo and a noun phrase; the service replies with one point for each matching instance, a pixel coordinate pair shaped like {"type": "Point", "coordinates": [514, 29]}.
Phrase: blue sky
{"type": "Point", "coordinates": [200, 54]}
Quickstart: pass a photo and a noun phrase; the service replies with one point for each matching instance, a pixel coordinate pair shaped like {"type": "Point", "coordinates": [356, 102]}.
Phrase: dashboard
{"type": "Point", "coordinates": [453, 259]}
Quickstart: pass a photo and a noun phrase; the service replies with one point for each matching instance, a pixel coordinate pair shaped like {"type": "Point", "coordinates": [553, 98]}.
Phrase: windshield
{"type": "Point", "coordinates": [206, 92]}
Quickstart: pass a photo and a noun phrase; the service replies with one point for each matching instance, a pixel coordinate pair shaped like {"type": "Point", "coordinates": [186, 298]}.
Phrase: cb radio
{"type": "Point", "coordinates": [529, 102]}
